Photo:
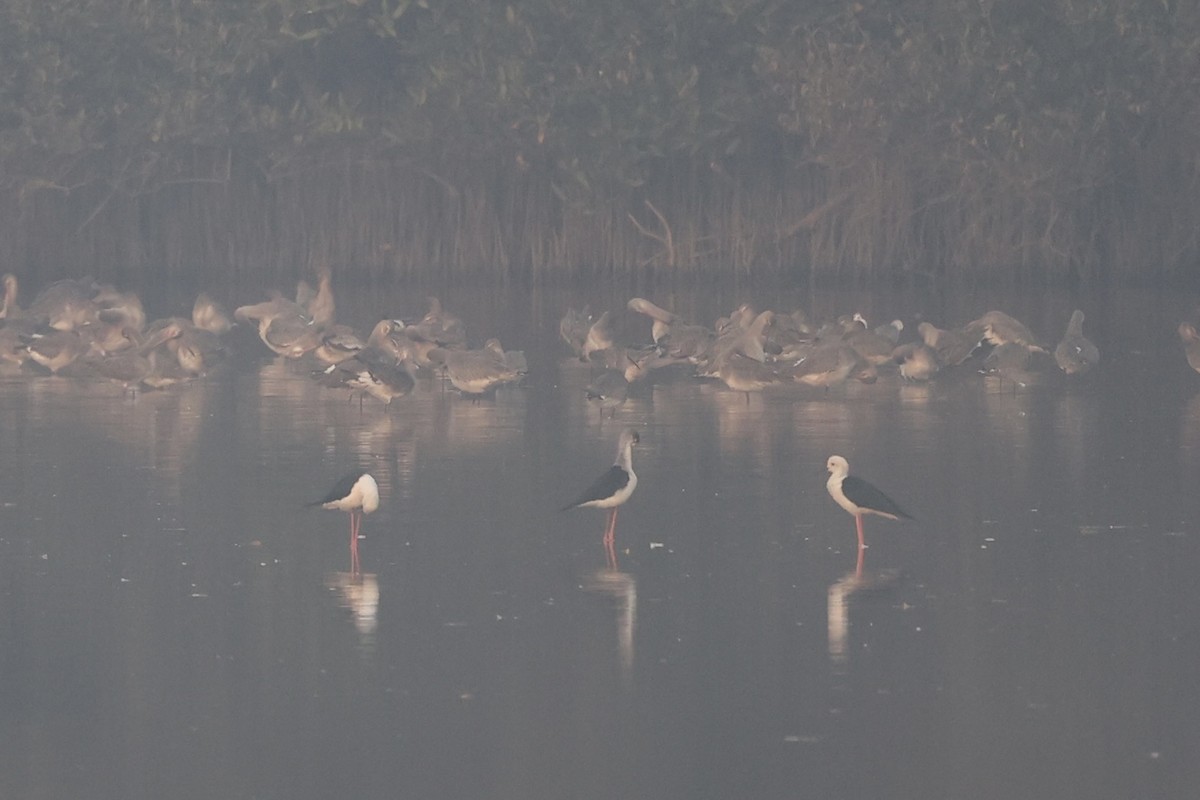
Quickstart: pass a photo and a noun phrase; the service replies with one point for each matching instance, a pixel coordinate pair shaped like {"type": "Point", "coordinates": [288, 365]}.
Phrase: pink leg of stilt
{"type": "Point", "coordinates": [354, 523]}
{"type": "Point", "coordinates": [858, 521]}
{"type": "Point", "coordinates": [858, 567]}
{"type": "Point", "coordinates": [610, 540]}
{"type": "Point", "coordinates": [608, 527]}
{"type": "Point", "coordinates": [610, 531]}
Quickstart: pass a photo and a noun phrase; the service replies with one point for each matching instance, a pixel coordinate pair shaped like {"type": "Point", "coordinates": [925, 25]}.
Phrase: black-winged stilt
{"type": "Point", "coordinates": [612, 489]}
{"type": "Point", "coordinates": [357, 493]}
{"type": "Point", "coordinates": [859, 497]}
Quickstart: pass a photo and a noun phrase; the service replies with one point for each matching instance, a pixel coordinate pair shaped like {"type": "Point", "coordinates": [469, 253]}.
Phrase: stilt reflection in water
{"type": "Point", "coordinates": [622, 588]}
{"type": "Point", "coordinates": [841, 592]}
{"type": "Point", "coordinates": [358, 593]}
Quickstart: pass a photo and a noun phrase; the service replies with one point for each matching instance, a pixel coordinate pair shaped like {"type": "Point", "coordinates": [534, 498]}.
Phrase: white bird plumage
{"type": "Point", "coordinates": [357, 493]}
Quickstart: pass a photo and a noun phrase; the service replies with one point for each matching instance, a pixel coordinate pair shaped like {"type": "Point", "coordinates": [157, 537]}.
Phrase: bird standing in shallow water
{"type": "Point", "coordinates": [1191, 344]}
{"type": "Point", "coordinates": [608, 391]}
{"type": "Point", "coordinates": [953, 347]}
{"type": "Point", "coordinates": [574, 329]}
{"type": "Point", "coordinates": [9, 308]}
{"type": "Point", "coordinates": [611, 490]}
{"type": "Point", "coordinates": [859, 497]}
{"type": "Point", "coordinates": [999, 328]}
{"type": "Point", "coordinates": [474, 372]}
{"type": "Point", "coordinates": [357, 493]}
{"type": "Point", "coordinates": [918, 362]}
{"type": "Point", "coordinates": [1075, 354]}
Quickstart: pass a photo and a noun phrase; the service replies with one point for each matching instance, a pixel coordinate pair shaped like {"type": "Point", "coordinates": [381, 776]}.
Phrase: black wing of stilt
{"type": "Point", "coordinates": [866, 496]}
{"type": "Point", "coordinates": [605, 486]}
{"type": "Point", "coordinates": [341, 489]}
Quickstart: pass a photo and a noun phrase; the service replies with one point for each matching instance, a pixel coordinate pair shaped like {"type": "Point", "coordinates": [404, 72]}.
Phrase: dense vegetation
{"type": "Point", "coordinates": [553, 138]}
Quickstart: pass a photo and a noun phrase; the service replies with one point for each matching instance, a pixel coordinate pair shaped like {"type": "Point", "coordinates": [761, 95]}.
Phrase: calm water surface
{"type": "Point", "coordinates": [174, 623]}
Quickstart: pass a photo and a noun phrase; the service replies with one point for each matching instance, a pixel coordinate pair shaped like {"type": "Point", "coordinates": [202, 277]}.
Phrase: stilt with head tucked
{"type": "Point", "coordinates": [357, 493]}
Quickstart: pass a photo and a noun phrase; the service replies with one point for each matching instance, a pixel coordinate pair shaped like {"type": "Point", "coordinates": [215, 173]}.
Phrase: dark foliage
{"type": "Point", "coordinates": [1030, 140]}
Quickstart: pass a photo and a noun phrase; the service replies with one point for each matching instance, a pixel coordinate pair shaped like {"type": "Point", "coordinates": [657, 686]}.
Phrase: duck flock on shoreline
{"type": "Point", "coordinates": [750, 351]}
{"type": "Point", "coordinates": [88, 329]}
{"type": "Point", "coordinates": [85, 329]}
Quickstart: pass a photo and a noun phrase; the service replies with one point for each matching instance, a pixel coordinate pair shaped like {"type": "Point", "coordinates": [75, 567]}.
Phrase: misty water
{"type": "Point", "coordinates": [175, 623]}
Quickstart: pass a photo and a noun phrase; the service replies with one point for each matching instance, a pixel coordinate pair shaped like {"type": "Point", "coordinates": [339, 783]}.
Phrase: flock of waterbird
{"type": "Point", "coordinates": [89, 329]}
{"type": "Point", "coordinates": [387, 363]}
{"type": "Point", "coordinates": [84, 328]}
{"type": "Point", "coordinates": [750, 351]}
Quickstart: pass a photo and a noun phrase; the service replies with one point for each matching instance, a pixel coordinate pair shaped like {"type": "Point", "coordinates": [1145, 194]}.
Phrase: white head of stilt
{"type": "Point", "coordinates": [629, 437]}
{"type": "Point", "coordinates": [839, 468]}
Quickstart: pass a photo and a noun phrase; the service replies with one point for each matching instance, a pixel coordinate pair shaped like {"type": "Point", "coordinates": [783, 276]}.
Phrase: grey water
{"type": "Point", "coordinates": [176, 623]}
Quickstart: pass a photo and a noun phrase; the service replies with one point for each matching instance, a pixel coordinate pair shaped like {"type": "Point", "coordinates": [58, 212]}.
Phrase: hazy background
{"type": "Point", "coordinates": [561, 138]}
